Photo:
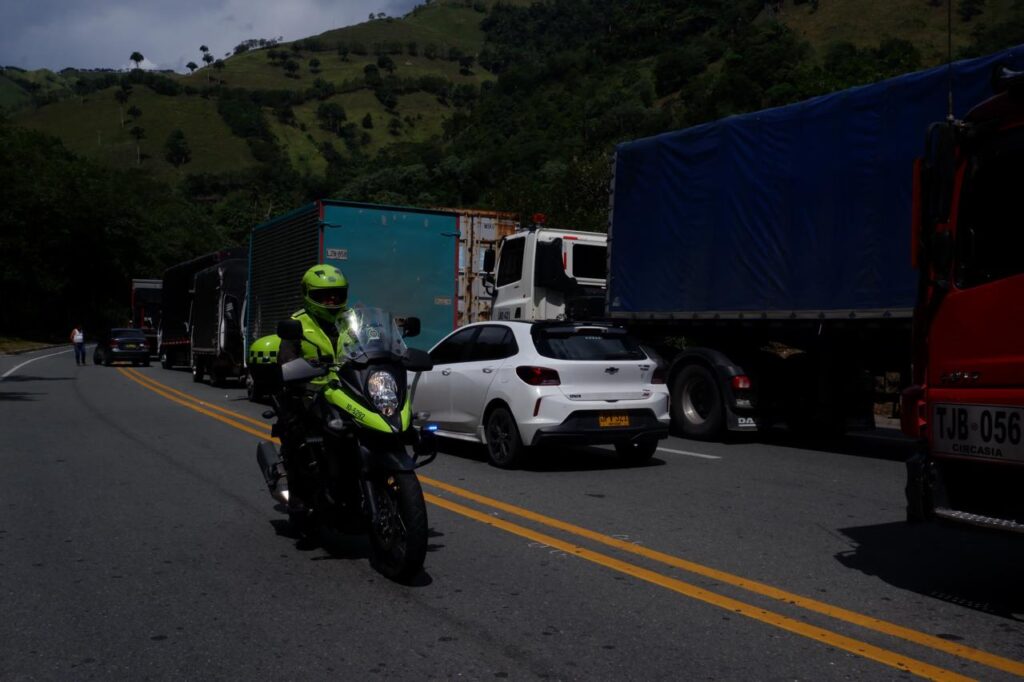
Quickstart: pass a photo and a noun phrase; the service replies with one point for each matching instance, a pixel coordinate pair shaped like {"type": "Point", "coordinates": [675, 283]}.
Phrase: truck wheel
{"type": "Point", "coordinates": [216, 376]}
{"type": "Point", "coordinates": [697, 409]}
{"type": "Point", "coordinates": [165, 361]}
{"type": "Point", "coordinates": [197, 370]}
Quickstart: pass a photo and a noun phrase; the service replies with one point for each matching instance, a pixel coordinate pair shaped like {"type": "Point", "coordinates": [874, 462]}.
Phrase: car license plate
{"type": "Point", "coordinates": [130, 346]}
{"type": "Point", "coordinates": [612, 420]}
{"type": "Point", "coordinates": [992, 431]}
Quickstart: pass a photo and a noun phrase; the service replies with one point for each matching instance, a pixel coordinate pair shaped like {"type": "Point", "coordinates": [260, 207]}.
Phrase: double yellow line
{"type": "Point", "coordinates": [828, 637]}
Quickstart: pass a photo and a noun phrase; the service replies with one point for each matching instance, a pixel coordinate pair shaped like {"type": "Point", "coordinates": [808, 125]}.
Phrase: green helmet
{"type": "Point", "coordinates": [324, 292]}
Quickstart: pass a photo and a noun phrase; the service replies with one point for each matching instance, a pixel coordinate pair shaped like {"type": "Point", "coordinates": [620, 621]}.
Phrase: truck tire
{"type": "Point", "coordinates": [165, 361]}
{"type": "Point", "coordinates": [252, 389]}
{"type": "Point", "coordinates": [197, 370]}
{"type": "Point", "coordinates": [697, 409]}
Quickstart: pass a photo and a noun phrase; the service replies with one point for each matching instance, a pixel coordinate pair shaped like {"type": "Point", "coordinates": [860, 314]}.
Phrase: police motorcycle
{"type": "Point", "coordinates": [346, 431]}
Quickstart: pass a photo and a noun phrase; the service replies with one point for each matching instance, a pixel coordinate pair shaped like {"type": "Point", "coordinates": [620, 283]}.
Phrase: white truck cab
{"type": "Point", "coordinates": [549, 274]}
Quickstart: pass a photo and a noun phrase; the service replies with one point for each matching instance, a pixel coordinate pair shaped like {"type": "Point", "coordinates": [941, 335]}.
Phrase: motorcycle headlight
{"type": "Point", "coordinates": [383, 390]}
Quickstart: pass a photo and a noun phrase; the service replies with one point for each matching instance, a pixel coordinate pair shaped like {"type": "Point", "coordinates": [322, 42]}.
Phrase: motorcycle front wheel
{"type": "Point", "coordinates": [398, 539]}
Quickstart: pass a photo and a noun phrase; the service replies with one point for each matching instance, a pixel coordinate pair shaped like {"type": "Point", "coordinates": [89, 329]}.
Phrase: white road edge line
{"type": "Point", "coordinates": [689, 454]}
{"type": "Point", "coordinates": [41, 357]}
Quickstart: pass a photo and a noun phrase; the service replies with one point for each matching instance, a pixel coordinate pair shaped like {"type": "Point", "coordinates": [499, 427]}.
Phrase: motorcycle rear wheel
{"type": "Point", "coordinates": [398, 540]}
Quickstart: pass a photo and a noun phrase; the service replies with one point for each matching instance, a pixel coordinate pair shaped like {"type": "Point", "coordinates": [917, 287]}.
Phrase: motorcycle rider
{"type": "Point", "coordinates": [325, 301]}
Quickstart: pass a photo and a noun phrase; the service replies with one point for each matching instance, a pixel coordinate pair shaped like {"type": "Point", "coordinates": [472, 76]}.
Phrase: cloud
{"type": "Point", "coordinates": [53, 34]}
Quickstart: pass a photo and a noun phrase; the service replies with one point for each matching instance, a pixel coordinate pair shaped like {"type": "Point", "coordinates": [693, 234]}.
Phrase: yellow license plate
{"type": "Point", "coordinates": [612, 420]}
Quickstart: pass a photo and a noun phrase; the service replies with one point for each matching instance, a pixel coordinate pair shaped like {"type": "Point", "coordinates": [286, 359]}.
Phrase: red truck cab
{"type": "Point", "coordinates": [967, 405]}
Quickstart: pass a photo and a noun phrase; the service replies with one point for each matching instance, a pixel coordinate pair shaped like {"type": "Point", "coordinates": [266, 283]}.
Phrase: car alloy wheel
{"type": "Point", "coordinates": [504, 446]}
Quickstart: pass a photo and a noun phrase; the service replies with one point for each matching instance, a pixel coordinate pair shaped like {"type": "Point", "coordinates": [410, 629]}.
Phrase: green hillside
{"type": "Point", "coordinates": [92, 127]}
{"type": "Point", "coordinates": [866, 23]}
{"type": "Point", "coordinates": [466, 103]}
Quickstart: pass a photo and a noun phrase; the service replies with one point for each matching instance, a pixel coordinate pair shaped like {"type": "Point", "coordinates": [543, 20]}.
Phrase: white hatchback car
{"type": "Point", "coordinates": [512, 385]}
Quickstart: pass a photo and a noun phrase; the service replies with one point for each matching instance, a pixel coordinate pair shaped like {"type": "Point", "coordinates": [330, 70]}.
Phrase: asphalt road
{"type": "Point", "coordinates": [137, 540]}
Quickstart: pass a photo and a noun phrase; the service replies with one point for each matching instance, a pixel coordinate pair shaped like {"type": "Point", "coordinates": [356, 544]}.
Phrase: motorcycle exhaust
{"type": "Point", "coordinates": [273, 472]}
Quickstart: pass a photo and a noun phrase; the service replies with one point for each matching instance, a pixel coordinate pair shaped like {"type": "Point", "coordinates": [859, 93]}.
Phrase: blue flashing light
{"type": "Point", "coordinates": [430, 427]}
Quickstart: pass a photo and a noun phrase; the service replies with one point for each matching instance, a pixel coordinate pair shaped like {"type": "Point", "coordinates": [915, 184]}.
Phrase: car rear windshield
{"type": "Point", "coordinates": [575, 343]}
{"type": "Point", "coordinates": [120, 333]}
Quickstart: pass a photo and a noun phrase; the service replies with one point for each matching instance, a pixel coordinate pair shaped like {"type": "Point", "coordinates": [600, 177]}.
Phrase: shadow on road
{"type": "Point", "coordinates": [17, 396]}
{"type": "Point", "coordinates": [23, 378]}
{"type": "Point", "coordinates": [978, 570]}
{"type": "Point", "coordinates": [886, 444]}
{"type": "Point", "coordinates": [346, 546]}
{"type": "Point", "coordinates": [549, 459]}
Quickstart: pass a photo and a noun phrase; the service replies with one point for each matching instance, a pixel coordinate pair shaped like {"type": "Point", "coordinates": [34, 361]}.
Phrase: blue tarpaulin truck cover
{"type": "Point", "coordinates": [802, 210]}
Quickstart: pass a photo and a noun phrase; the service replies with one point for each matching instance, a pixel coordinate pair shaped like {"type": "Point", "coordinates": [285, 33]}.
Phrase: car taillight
{"type": "Point", "coordinates": [113, 344]}
{"type": "Point", "coordinates": [741, 383]}
{"type": "Point", "coordinates": [659, 376]}
{"type": "Point", "coordinates": [538, 376]}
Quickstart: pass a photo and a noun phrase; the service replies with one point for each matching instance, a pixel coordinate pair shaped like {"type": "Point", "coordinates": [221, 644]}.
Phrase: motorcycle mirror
{"type": "Point", "coordinates": [417, 360]}
{"type": "Point", "coordinates": [290, 330]}
{"type": "Point", "coordinates": [411, 327]}
{"type": "Point", "coordinates": [300, 369]}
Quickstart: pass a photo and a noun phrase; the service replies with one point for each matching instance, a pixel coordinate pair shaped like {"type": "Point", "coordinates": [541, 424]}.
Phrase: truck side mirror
{"type": "Point", "coordinates": [939, 173]}
{"type": "Point", "coordinates": [290, 330]}
{"type": "Point", "coordinates": [489, 257]}
{"type": "Point", "coordinates": [940, 249]}
{"type": "Point", "coordinates": [411, 327]}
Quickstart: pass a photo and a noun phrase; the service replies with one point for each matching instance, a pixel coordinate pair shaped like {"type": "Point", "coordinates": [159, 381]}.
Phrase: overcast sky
{"type": "Point", "coordinates": [55, 34]}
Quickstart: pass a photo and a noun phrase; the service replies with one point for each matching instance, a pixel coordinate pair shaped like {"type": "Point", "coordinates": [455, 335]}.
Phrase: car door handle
{"type": "Point", "coordinates": [446, 372]}
{"type": "Point", "coordinates": [488, 370]}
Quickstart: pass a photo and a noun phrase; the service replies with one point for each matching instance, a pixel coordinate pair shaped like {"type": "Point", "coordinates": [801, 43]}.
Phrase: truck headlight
{"type": "Point", "coordinates": [383, 390]}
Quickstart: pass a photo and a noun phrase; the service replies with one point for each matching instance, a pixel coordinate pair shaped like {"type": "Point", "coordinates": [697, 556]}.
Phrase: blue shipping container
{"type": "Point", "coordinates": [802, 210]}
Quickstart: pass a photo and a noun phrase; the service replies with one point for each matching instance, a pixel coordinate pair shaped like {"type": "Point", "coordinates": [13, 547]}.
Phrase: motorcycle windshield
{"type": "Point", "coordinates": [370, 334]}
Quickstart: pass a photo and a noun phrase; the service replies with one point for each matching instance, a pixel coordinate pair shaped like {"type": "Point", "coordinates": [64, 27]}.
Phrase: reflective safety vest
{"type": "Point", "coordinates": [315, 343]}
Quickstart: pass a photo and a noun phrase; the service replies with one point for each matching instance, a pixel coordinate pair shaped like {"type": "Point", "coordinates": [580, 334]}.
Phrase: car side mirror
{"type": "Point", "coordinates": [417, 360]}
{"type": "Point", "coordinates": [289, 330]}
{"type": "Point", "coordinates": [411, 327]}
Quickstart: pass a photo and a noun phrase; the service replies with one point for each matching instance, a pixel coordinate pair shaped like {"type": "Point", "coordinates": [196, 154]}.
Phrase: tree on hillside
{"type": "Point", "coordinates": [387, 63]}
{"type": "Point", "coordinates": [176, 149]}
{"type": "Point", "coordinates": [430, 51]}
{"type": "Point", "coordinates": [138, 133]}
{"type": "Point", "coordinates": [466, 64]}
{"type": "Point", "coordinates": [412, 49]}
{"type": "Point", "coordinates": [314, 65]}
{"type": "Point", "coordinates": [395, 126]}
{"type": "Point", "coordinates": [968, 9]}
{"type": "Point", "coordinates": [134, 112]}
{"type": "Point", "coordinates": [137, 58]}
{"type": "Point", "coordinates": [219, 65]}
{"type": "Point", "coordinates": [343, 51]}
{"type": "Point", "coordinates": [121, 95]}
{"type": "Point", "coordinates": [191, 66]}
{"type": "Point", "coordinates": [368, 121]}
{"type": "Point", "coordinates": [331, 115]}
{"type": "Point", "coordinates": [291, 66]}
{"type": "Point", "coordinates": [372, 75]}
